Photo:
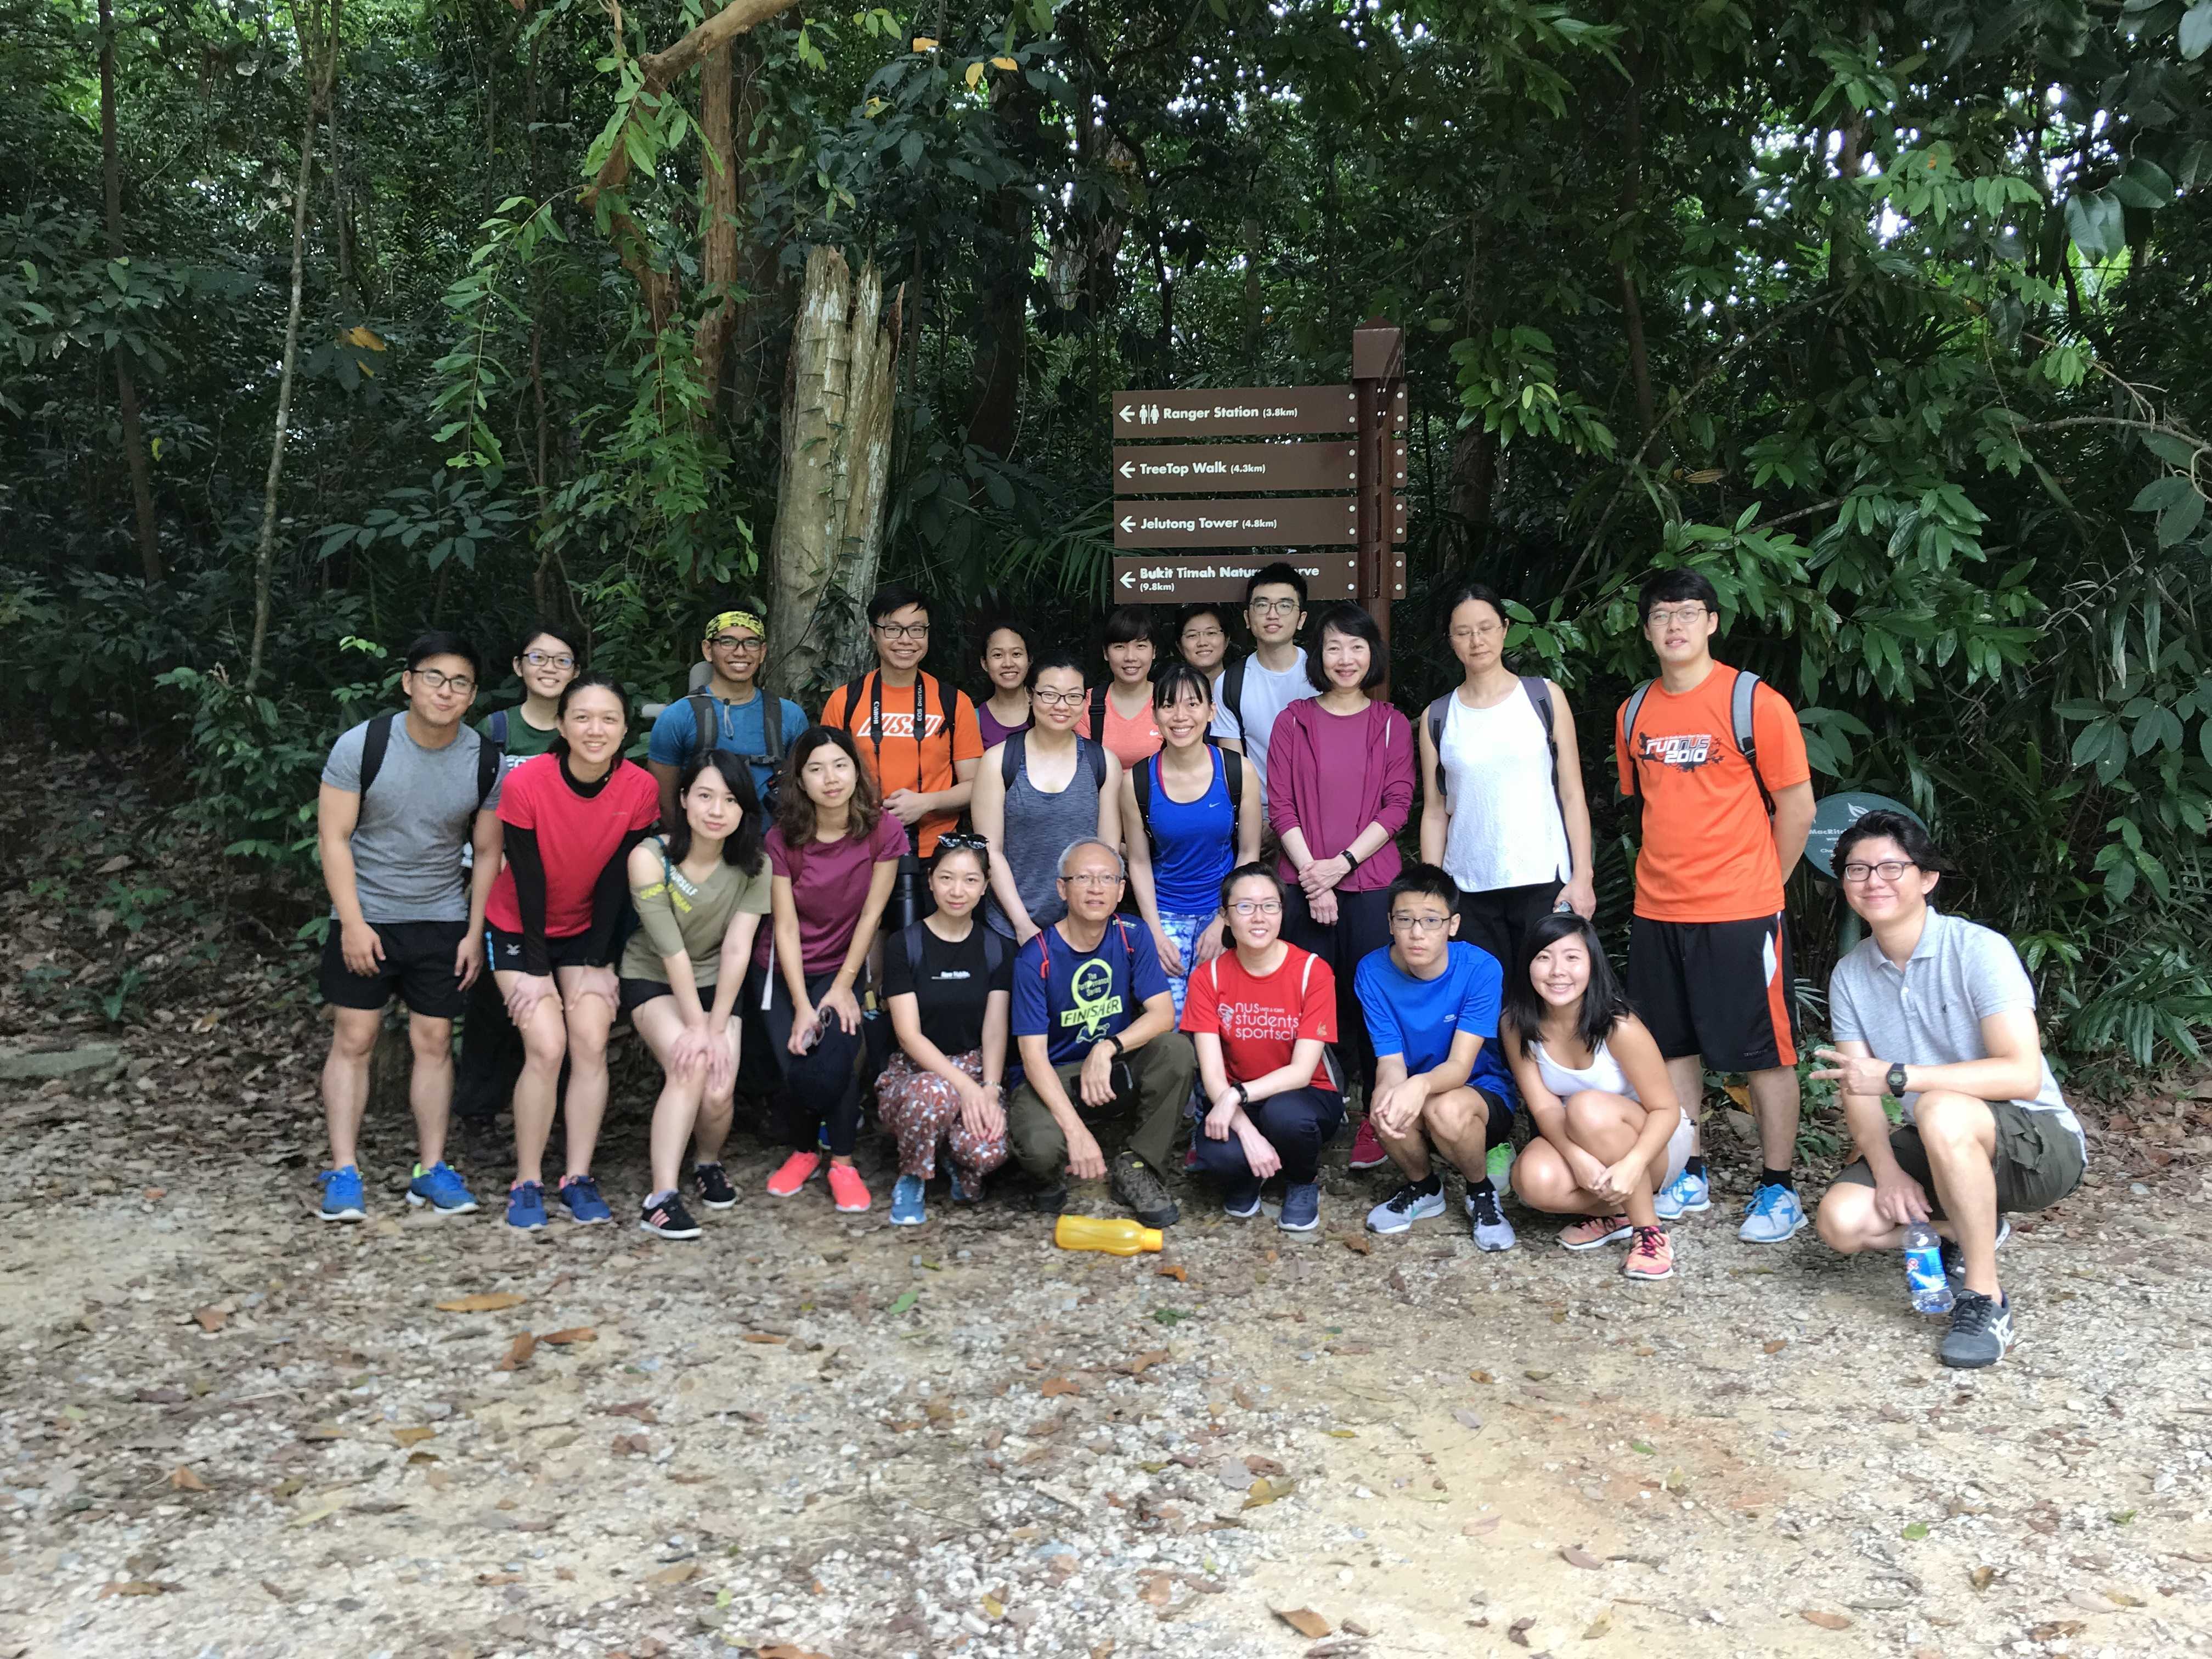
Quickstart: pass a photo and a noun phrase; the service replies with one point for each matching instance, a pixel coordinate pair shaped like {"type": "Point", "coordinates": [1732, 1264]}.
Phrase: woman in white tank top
{"type": "Point", "coordinates": [1489, 815]}
{"type": "Point", "coordinates": [1608, 1131]}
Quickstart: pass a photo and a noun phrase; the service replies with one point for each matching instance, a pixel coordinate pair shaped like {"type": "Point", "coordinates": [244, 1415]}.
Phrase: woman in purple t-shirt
{"type": "Point", "coordinates": [1007, 657]}
{"type": "Point", "coordinates": [1340, 786]}
{"type": "Point", "coordinates": [833, 854]}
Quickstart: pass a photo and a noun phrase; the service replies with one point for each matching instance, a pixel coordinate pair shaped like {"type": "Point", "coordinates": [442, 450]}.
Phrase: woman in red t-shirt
{"type": "Point", "coordinates": [1260, 1016]}
{"type": "Point", "coordinates": [571, 816]}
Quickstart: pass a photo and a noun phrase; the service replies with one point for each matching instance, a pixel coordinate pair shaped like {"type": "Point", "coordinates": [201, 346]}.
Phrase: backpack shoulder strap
{"type": "Point", "coordinates": [373, 742]}
{"type": "Point", "coordinates": [1140, 785]}
{"type": "Point", "coordinates": [853, 687]}
{"type": "Point", "coordinates": [911, 935]}
{"type": "Point", "coordinates": [1096, 752]}
{"type": "Point", "coordinates": [495, 726]}
{"type": "Point", "coordinates": [1232, 777]}
{"type": "Point", "coordinates": [994, 955]}
{"type": "Point", "coordinates": [1439, 711]}
{"type": "Point", "coordinates": [1747, 741]}
{"type": "Point", "coordinates": [490, 758]}
{"type": "Point", "coordinates": [1538, 691]}
{"type": "Point", "coordinates": [1232, 695]}
{"type": "Point", "coordinates": [1635, 707]}
{"type": "Point", "coordinates": [772, 727]}
{"type": "Point", "coordinates": [1011, 754]}
{"type": "Point", "coordinates": [706, 723]}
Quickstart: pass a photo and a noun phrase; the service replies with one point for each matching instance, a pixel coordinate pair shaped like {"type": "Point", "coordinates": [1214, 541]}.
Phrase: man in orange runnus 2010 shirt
{"type": "Point", "coordinates": [1709, 947]}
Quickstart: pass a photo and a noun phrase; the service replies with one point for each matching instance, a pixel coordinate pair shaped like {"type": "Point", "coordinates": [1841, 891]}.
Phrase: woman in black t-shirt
{"type": "Point", "coordinates": [948, 982]}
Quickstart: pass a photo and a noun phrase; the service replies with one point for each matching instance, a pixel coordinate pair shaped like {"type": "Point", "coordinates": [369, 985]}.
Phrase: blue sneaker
{"type": "Point", "coordinates": [1241, 1203]}
{"type": "Point", "coordinates": [441, 1187]}
{"type": "Point", "coordinates": [586, 1207]}
{"type": "Point", "coordinates": [1301, 1207]}
{"type": "Point", "coordinates": [1686, 1195]}
{"type": "Point", "coordinates": [525, 1205]}
{"type": "Point", "coordinates": [1772, 1215]}
{"type": "Point", "coordinates": [341, 1195]}
{"type": "Point", "coordinates": [907, 1207]}
{"type": "Point", "coordinates": [966, 1189]}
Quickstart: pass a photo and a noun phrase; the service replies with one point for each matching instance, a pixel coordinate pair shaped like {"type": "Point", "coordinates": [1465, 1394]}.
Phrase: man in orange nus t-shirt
{"type": "Point", "coordinates": [1709, 948]}
{"type": "Point", "coordinates": [919, 739]}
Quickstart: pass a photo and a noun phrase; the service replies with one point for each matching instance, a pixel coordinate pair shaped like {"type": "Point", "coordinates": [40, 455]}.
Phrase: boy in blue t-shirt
{"type": "Point", "coordinates": [1096, 1029]}
{"type": "Point", "coordinates": [735, 647]}
{"type": "Point", "coordinates": [1431, 1006]}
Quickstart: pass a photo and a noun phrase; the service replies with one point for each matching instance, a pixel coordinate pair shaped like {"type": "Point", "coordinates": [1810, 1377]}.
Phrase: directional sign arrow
{"type": "Point", "coordinates": [1127, 469]}
{"type": "Point", "coordinates": [1128, 411]}
{"type": "Point", "coordinates": [1128, 525]}
{"type": "Point", "coordinates": [1128, 578]}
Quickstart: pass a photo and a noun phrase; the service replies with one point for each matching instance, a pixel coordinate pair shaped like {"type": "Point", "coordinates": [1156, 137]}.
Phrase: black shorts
{"type": "Point", "coordinates": [1719, 989]}
{"type": "Point", "coordinates": [506, 952]}
{"type": "Point", "coordinates": [1498, 920]}
{"type": "Point", "coordinates": [636, 992]}
{"type": "Point", "coordinates": [1500, 1132]}
{"type": "Point", "coordinates": [2038, 1162]}
{"type": "Point", "coordinates": [418, 964]}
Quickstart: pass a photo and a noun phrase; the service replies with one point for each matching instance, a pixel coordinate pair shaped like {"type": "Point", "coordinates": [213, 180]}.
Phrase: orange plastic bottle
{"type": "Point", "coordinates": [1111, 1235]}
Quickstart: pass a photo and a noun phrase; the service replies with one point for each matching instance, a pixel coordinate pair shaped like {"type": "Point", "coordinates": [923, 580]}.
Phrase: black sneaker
{"type": "Point", "coordinates": [1048, 1200]}
{"type": "Point", "coordinates": [668, 1218]}
{"type": "Point", "coordinates": [1981, 1331]}
{"type": "Point", "coordinates": [715, 1190]}
{"type": "Point", "coordinates": [1955, 1259]}
{"type": "Point", "coordinates": [1137, 1185]}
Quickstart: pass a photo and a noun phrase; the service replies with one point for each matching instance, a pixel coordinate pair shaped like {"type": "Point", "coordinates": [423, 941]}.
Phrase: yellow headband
{"type": "Point", "coordinates": [736, 619]}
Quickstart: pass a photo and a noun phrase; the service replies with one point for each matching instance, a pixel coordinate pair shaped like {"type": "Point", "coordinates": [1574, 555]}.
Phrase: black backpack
{"type": "Point", "coordinates": [378, 739]}
{"type": "Point", "coordinates": [1017, 746]}
{"type": "Point", "coordinates": [1232, 775]}
{"type": "Point", "coordinates": [1232, 695]}
{"type": "Point", "coordinates": [1739, 698]}
{"type": "Point", "coordinates": [707, 732]}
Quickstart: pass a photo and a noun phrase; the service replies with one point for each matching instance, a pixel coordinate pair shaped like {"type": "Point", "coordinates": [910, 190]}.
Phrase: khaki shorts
{"type": "Point", "coordinates": [2038, 1162]}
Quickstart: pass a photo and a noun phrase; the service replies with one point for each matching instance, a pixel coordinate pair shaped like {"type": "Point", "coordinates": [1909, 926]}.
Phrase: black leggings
{"type": "Point", "coordinates": [1362, 926]}
{"type": "Point", "coordinates": [819, 1086]}
{"type": "Point", "coordinates": [1297, 1123]}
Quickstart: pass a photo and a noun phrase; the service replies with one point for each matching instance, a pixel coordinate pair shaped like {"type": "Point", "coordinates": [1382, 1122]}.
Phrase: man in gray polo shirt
{"type": "Point", "coordinates": [1938, 1013]}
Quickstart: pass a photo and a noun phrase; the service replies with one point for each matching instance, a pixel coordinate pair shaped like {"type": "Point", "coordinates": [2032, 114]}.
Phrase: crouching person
{"type": "Point", "coordinates": [1095, 1025]}
{"type": "Point", "coordinates": [1939, 1014]}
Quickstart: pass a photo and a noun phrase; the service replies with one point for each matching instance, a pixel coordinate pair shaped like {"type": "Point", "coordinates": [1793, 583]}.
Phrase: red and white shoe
{"type": "Point", "coordinates": [1367, 1151]}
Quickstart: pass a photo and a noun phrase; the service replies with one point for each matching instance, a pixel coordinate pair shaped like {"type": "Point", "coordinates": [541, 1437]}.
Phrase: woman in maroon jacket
{"type": "Point", "coordinates": [1340, 786]}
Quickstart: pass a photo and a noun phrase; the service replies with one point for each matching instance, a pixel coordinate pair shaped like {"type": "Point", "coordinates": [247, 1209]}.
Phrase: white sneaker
{"type": "Point", "coordinates": [1409, 1204]}
{"type": "Point", "coordinates": [1492, 1231]}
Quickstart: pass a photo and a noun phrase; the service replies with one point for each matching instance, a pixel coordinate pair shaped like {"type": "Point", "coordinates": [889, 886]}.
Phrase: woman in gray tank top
{"type": "Point", "coordinates": [1035, 792]}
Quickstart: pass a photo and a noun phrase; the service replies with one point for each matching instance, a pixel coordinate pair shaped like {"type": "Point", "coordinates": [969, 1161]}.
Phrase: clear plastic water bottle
{"type": "Point", "coordinates": [1923, 1270]}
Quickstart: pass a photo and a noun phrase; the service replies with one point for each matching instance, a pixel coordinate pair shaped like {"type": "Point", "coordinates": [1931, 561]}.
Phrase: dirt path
{"type": "Point", "coordinates": [229, 1430]}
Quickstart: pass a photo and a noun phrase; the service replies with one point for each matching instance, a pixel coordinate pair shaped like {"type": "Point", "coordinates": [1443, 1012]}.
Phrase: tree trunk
{"type": "Point", "coordinates": [1003, 306]}
{"type": "Point", "coordinates": [1631, 309]}
{"type": "Point", "coordinates": [836, 473]}
{"type": "Point", "coordinates": [126, 389]}
{"type": "Point", "coordinates": [1475, 452]}
{"type": "Point", "coordinates": [264, 562]}
{"type": "Point", "coordinates": [718, 218]}
{"type": "Point", "coordinates": [756, 258]}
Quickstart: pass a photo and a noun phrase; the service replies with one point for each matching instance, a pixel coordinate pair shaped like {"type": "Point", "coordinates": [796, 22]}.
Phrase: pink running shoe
{"type": "Point", "coordinates": [798, 1169]}
{"type": "Point", "coordinates": [1650, 1257]}
{"type": "Point", "coordinates": [1367, 1151]}
{"type": "Point", "coordinates": [847, 1189]}
{"type": "Point", "coordinates": [1594, 1230]}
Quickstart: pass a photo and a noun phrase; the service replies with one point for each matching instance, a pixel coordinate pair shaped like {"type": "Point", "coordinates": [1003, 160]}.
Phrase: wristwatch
{"type": "Point", "coordinates": [1351, 860]}
{"type": "Point", "coordinates": [1897, 1080]}
{"type": "Point", "coordinates": [1115, 1038]}
{"type": "Point", "coordinates": [1244, 1096]}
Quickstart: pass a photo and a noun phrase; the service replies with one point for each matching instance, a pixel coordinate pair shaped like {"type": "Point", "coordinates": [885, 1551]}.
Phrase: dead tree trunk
{"type": "Point", "coordinates": [837, 409]}
{"type": "Point", "coordinates": [126, 389]}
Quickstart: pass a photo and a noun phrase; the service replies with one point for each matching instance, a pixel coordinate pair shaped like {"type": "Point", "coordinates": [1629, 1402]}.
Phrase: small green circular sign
{"type": "Point", "coordinates": [1837, 813]}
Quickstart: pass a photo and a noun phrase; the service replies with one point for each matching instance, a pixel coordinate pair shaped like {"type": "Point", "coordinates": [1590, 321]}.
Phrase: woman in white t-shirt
{"type": "Point", "coordinates": [1502, 804]}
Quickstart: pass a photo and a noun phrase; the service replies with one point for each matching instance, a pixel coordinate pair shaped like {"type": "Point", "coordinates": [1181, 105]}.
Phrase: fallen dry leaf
{"type": "Point", "coordinates": [209, 1320]}
{"type": "Point", "coordinates": [1242, 1396]}
{"type": "Point", "coordinates": [787, 1650]}
{"type": "Point", "coordinates": [2056, 1628]}
{"type": "Point", "coordinates": [1304, 1621]}
{"type": "Point", "coordinates": [768, 1339]}
{"type": "Point", "coordinates": [1599, 1626]}
{"type": "Point", "coordinates": [631, 1446]}
{"type": "Point", "coordinates": [1265, 1491]}
{"type": "Point", "coordinates": [1480, 1376]}
{"type": "Point", "coordinates": [1778, 1344]}
{"type": "Point", "coordinates": [2090, 1601]}
{"type": "Point", "coordinates": [1982, 1578]}
{"type": "Point", "coordinates": [483, 1302]}
{"type": "Point", "coordinates": [640, 1409]}
{"type": "Point", "coordinates": [1483, 1528]}
{"type": "Point", "coordinates": [181, 1478]}
{"type": "Point", "coordinates": [574, 1334]}
{"type": "Point", "coordinates": [1176, 1271]}
{"type": "Point", "coordinates": [1575, 1556]}
{"type": "Point", "coordinates": [1537, 1376]}
{"type": "Point", "coordinates": [1466, 1419]}
{"type": "Point", "coordinates": [677, 1574]}
{"type": "Point", "coordinates": [413, 1437]}
{"type": "Point", "coordinates": [1357, 1243]}
{"type": "Point", "coordinates": [1157, 1590]}
{"type": "Point", "coordinates": [1059, 1385]}
{"type": "Point", "coordinates": [2122, 1599]}
{"type": "Point", "coordinates": [1138, 1365]}
{"type": "Point", "coordinates": [1517, 1632]}
{"type": "Point", "coordinates": [1258, 1465]}
{"type": "Point", "coordinates": [1824, 1621]}
{"type": "Point", "coordinates": [1353, 1627]}
{"type": "Point", "coordinates": [519, 1355]}
{"type": "Point", "coordinates": [138, 1587]}
{"type": "Point", "coordinates": [155, 1195]}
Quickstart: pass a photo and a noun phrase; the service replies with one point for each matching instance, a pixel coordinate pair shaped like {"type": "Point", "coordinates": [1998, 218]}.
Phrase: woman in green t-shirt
{"type": "Point", "coordinates": [701, 891]}
{"type": "Point", "coordinates": [548, 659]}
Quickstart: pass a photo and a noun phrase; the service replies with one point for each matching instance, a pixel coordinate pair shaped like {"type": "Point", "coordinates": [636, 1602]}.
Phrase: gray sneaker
{"type": "Point", "coordinates": [1137, 1185]}
{"type": "Point", "coordinates": [1492, 1231]}
{"type": "Point", "coordinates": [1981, 1331]}
{"type": "Point", "coordinates": [1413, 1202]}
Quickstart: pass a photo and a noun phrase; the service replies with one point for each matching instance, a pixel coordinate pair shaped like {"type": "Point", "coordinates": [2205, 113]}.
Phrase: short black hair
{"type": "Point", "coordinates": [1348, 619]}
{"type": "Point", "coordinates": [568, 635]}
{"type": "Point", "coordinates": [1258, 870]}
{"type": "Point", "coordinates": [895, 596]}
{"type": "Point", "coordinates": [1127, 623]}
{"type": "Point", "coordinates": [438, 644]}
{"type": "Point", "coordinates": [1191, 613]}
{"type": "Point", "coordinates": [1056, 656]}
{"type": "Point", "coordinates": [1281, 573]}
{"type": "Point", "coordinates": [1475, 593]}
{"type": "Point", "coordinates": [1919, 845]}
{"type": "Point", "coordinates": [1422, 881]}
{"type": "Point", "coordinates": [569, 692]}
{"type": "Point", "coordinates": [1174, 678]}
{"type": "Point", "coordinates": [1665, 586]}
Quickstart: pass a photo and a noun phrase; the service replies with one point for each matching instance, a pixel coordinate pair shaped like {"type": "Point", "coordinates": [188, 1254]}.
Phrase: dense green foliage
{"type": "Point", "coordinates": [1893, 318]}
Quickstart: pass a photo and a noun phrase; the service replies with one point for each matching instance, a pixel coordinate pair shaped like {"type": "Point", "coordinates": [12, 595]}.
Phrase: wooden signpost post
{"type": "Point", "coordinates": [1346, 494]}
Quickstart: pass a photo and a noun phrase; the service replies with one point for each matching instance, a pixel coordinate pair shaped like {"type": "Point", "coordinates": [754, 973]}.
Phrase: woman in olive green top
{"type": "Point", "coordinates": [700, 890]}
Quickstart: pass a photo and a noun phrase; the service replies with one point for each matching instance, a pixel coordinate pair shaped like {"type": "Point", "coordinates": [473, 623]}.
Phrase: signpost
{"type": "Point", "coordinates": [1348, 493]}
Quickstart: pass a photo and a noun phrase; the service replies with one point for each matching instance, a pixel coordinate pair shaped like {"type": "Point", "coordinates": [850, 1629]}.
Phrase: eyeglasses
{"type": "Point", "coordinates": [546, 660]}
{"type": "Point", "coordinates": [744, 646]}
{"type": "Point", "coordinates": [904, 630]}
{"type": "Point", "coordinates": [1201, 636]}
{"type": "Point", "coordinates": [1480, 631]}
{"type": "Point", "coordinates": [1060, 699]}
{"type": "Point", "coordinates": [1274, 607]}
{"type": "Point", "coordinates": [438, 682]}
{"type": "Point", "coordinates": [1680, 613]}
{"type": "Point", "coordinates": [1888, 870]}
{"type": "Point", "coordinates": [1406, 924]}
{"type": "Point", "coordinates": [1093, 879]}
{"type": "Point", "coordinates": [1245, 910]}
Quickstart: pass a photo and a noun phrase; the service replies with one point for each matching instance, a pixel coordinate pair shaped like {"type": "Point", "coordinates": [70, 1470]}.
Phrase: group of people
{"type": "Point", "coordinates": [1168, 909]}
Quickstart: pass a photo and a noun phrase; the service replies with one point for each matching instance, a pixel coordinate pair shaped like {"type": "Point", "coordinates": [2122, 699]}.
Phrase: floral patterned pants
{"type": "Point", "coordinates": [921, 1108]}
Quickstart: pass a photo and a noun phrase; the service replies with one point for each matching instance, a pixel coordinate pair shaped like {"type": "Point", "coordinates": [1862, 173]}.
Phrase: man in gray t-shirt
{"type": "Point", "coordinates": [1249, 692]}
{"type": "Point", "coordinates": [401, 795]}
{"type": "Point", "coordinates": [1939, 1014]}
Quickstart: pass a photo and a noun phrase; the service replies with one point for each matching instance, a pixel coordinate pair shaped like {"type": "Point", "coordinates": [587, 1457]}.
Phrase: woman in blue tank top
{"type": "Point", "coordinates": [1189, 815]}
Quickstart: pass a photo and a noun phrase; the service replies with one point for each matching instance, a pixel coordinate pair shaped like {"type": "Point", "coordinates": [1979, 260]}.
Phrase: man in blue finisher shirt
{"type": "Point", "coordinates": [1096, 1028]}
{"type": "Point", "coordinates": [1432, 1005]}
{"type": "Point", "coordinates": [735, 647]}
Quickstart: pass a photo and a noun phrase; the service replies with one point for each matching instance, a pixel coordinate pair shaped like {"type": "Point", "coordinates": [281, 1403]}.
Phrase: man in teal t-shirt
{"type": "Point", "coordinates": [735, 645]}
